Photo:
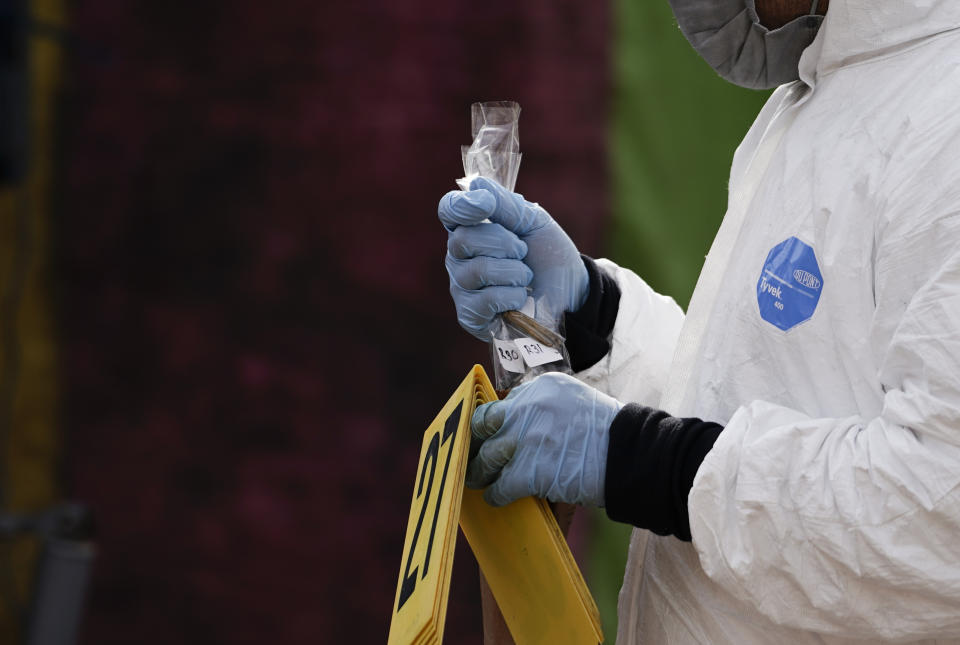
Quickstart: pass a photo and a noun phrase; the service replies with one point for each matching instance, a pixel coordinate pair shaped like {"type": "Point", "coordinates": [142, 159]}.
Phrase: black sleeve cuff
{"type": "Point", "coordinates": [651, 462]}
{"type": "Point", "coordinates": [588, 329]}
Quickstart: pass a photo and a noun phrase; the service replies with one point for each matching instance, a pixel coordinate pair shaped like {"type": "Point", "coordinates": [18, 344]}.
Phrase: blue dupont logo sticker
{"type": "Point", "coordinates": [790, 284]}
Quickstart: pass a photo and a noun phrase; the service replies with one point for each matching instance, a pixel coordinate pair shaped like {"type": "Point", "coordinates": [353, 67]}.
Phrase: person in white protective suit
{"type": "Point", "coordinates": [790, 447]}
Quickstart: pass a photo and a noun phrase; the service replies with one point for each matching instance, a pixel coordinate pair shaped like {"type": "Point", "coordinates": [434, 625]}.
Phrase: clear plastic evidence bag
{"type": "Point", "coordinates": [528, 342]}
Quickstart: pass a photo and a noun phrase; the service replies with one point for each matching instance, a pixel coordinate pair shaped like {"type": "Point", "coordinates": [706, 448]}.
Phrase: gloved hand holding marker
{"type": "Point", "coordinates": [548, 439]}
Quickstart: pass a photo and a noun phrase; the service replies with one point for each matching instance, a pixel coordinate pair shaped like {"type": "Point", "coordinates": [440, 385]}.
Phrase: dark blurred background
{"type": "Point", "coordinates": [225, 314]}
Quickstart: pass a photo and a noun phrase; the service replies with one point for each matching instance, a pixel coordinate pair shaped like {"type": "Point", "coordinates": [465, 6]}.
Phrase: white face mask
{"type": "Point", "coordinates": [728, 35]}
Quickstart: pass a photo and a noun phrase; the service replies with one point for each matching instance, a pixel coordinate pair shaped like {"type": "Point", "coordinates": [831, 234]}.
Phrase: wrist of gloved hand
{"type": "Point", "coordinates": [588, 329]}
{"type": "Point", "coordinates": [652, 460]}
{"type": "Point", "coordinates": [548, 439]}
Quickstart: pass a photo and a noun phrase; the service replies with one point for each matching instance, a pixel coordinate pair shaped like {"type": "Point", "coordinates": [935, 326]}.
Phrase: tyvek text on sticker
{"type": "Point", "coordinates": [790, 284]}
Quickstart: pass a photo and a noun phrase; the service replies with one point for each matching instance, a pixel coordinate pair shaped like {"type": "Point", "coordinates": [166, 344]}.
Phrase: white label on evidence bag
{"type": "Point", "coordinates": [509, 355]}
{"type": "Point", "coordinates": [536, 353]}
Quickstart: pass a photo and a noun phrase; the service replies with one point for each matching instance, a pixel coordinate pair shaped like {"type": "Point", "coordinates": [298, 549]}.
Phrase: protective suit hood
{"type": "Point", "coordinates": [858, 30]}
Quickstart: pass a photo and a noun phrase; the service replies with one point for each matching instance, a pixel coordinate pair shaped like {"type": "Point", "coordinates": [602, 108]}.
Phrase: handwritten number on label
{"type": "Point", "coordinates": [433, 449]}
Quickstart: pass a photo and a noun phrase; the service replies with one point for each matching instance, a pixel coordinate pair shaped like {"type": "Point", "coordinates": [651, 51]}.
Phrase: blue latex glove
{"type": "Point", "coordinates": [491, 264]}
{"type": "Point", "coordinates": [548, 439]}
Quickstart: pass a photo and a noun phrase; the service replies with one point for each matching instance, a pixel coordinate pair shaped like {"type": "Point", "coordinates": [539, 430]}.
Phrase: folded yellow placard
{"type": "Point", "coordinates": [519, 547]}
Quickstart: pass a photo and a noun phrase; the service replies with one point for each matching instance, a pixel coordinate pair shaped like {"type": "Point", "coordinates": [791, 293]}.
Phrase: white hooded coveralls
{"type": "Point", "coordinates": [829, 508]}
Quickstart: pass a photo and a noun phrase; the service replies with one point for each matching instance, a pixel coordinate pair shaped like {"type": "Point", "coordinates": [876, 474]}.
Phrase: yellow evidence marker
{"type": "Point", "coordinates": [520, 549]}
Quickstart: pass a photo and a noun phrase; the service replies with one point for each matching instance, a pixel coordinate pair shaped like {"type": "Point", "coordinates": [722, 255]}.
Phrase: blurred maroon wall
{"type": "Point", "coordinates": [253, 304]}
